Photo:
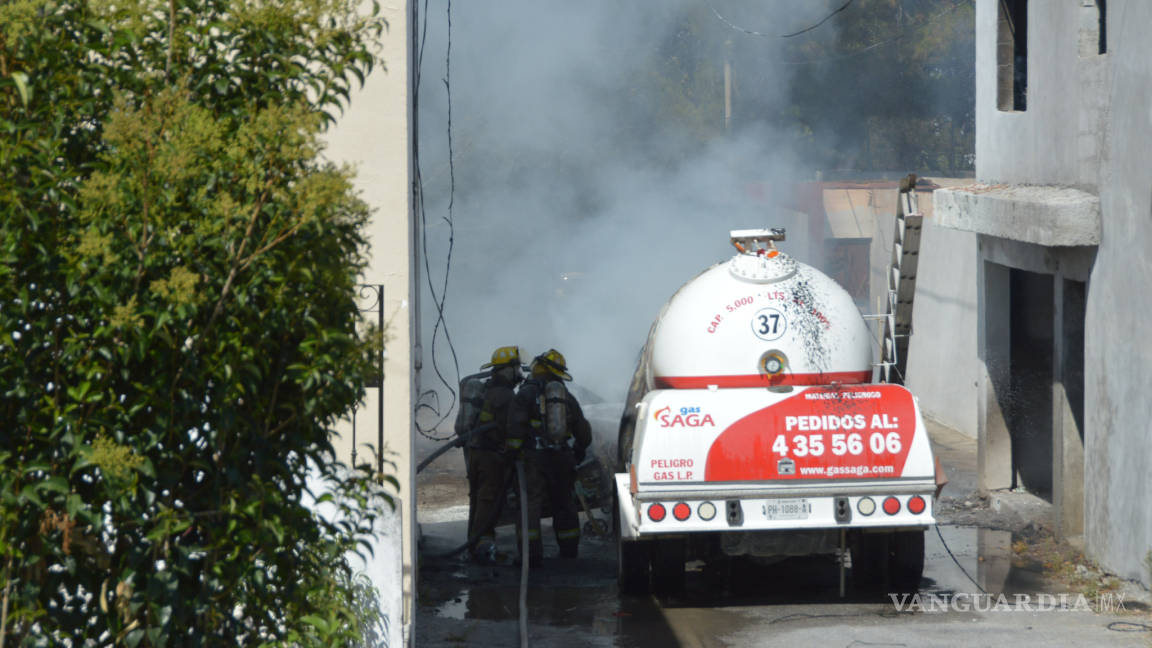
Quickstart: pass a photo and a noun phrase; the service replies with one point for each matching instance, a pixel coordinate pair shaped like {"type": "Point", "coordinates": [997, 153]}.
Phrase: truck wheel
{"type": "Point", "coordinates": [668, 558]}
{"type": "Point", "coordinates": [869, 561]}
{"type": "Point", "coordinates": [906, 561]}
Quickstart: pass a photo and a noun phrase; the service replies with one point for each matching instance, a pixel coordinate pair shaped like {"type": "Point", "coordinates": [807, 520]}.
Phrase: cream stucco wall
{"type": "Point", "coordinates": [375, 135]}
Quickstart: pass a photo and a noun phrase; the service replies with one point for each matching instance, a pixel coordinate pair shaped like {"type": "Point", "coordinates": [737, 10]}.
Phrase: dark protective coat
{"type": "Point", "coordinates": [550, 468]}
{"type": "Point", "coordinates": [488, 464]}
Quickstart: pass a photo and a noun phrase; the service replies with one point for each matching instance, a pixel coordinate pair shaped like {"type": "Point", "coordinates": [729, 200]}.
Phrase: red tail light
{"type": "Point", "coordinates": [656, 512]}
{"type": "Point", "coordinates": [681, 511]}
{"type": "Point", "coordinates": [891, 506]}
{"type": "Point", "coordinates": [916, 505]}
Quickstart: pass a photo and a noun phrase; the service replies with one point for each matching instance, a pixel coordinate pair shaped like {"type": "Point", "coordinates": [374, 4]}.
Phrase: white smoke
{"type": "Point", "coordinates": [578, 209]}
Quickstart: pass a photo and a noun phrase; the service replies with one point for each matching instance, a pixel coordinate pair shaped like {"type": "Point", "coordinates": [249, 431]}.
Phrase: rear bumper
{"type": "Point", "coordinates": [756, 507]}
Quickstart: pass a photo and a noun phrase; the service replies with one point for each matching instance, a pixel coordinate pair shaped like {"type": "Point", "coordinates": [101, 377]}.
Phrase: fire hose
{"type": "Point", "coordinates": [524, 560]}
{"type": "Point", "coordinates": [456, 443]}
{"type": "Point", "coordinates": [459, 442]}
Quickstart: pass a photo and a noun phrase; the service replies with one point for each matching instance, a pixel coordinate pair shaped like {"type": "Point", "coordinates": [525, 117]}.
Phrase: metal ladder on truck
{"type": "Point", "coordinates": [901, 283]}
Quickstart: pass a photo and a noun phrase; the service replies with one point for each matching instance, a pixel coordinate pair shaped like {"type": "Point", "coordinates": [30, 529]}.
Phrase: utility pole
{"type": "Point", "coordinates": [727, 86]}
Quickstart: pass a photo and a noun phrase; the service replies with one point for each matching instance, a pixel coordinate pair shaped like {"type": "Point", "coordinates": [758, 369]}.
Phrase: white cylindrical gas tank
{"type": "Point", "coordinates": [760, 319]}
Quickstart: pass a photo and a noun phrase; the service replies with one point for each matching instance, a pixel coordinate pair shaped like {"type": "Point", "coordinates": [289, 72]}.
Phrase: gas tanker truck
{"type": "Point", "coordinates": [753, 428]}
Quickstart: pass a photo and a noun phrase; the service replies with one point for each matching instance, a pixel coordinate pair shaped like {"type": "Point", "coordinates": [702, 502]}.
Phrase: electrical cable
{"type": "Point", "coordinates": [438, 300]}
{"type": "Point", "coordinates": [826, 19]}
{"type": "Point", "coordinates": [762, 34]}
{"type": "Point", "coordinates": [965, 572]}
{"type": "Point", "coordinates": [853, 54]}
{"type": "Point", "coordinates": [737, 27]}
{"type": "Point", "coordinates": [847, 55]}
{"type": "Point", "coordinates": [451, 190]}
{"type": "Point", "coordinates": [804, 615]}
{"type": "Point", "coordinates": [1129, 626]}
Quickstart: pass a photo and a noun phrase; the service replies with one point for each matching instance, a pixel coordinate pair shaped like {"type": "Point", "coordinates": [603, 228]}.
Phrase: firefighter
{"type": "Point", "coordinates": [488, 462]}
{"type": "Point", "coordinates": [555, 436]}
{"type": "Point", "coordinates": [471, 391]}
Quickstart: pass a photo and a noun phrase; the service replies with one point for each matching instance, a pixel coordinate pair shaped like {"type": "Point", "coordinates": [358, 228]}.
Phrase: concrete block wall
{"type": "Point", "coordinates": [1064, 89]}
{"type": "Point", "coordinates": [943, 367]}
{"type": "Point", "coordinates": [1118, 349]}
{"type": "Point", "coordinates": [1087, 126]}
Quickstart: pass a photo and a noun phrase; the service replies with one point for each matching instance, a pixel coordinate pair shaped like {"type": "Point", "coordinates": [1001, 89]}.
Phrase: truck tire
{"type": "Point", "coordinates": [668, 558]}
{"type": "Point", "coordinates": [906, 561]}
{"type": "Point", "coordinates": [869, 561]}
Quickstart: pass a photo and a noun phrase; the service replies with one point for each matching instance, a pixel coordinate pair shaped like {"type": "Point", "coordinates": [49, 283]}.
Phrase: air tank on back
{"type": "Point", "coordinates": [759, 319]}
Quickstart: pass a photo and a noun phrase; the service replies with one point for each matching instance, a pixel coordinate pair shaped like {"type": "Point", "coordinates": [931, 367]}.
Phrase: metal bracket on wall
{"type": "Point", "coordinates": [370, 303]}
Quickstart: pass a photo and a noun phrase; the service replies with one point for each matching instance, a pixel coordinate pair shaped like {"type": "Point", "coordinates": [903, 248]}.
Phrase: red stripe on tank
{"type": "Point", "coordinates": [762, 380]}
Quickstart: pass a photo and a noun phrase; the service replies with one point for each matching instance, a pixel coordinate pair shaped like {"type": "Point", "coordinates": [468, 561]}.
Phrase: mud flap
{"type": "Point", "coordinates": [668, 558]}
{"type": "Point", "coordinates": [888, 562]}
{"type": "Point", "coordinates": [869, 561]}
{"type": "Point", "coordinates": [906, 561]}
{"type": "Point", "coordinates": [633, 561]}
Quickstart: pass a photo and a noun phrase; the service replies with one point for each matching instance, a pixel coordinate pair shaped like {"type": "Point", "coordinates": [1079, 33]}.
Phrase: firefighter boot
{"type": "Point", "coordinates": [569, 548]}
{"type": "Point", "coordinates": [484, 552]}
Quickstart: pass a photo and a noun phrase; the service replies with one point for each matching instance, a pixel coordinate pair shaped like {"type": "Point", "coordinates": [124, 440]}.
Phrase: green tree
{"type": "Point", "coordinates": [890, 85]}
{"type": "Point", "coordinates": [883, 85]}
{"type": "Point", "coordinates": [177, 323]}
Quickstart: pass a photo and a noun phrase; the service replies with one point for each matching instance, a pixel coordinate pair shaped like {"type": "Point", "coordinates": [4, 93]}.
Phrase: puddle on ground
{"type": "Point", "coordinates": [971, 559]}
{"type": "Point", "coordinates": [552, 605]}
{"type": "Point", "coordinates": [583, 594]}
{"type": "Point", "coordinates": [597, 609]}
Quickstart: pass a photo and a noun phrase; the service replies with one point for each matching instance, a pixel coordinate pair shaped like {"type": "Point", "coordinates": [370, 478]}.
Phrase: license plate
{"type": "Point", "coordinates": [789, 509]}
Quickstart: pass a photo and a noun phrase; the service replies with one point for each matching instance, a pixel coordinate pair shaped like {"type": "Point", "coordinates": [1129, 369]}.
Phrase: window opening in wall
{"type": "Point", "coordinates": [1012, 56]}
{"type": "Point", "coordinates": [1102, 22]}
{"type": "Point", "coordinates": [1093, 28]}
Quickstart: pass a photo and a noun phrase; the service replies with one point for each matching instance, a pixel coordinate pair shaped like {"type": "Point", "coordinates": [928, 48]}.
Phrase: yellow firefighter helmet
{"type": "Point", "coordinates": [551, 361]}
{"type": "Point", "coordinates": [503, 356]}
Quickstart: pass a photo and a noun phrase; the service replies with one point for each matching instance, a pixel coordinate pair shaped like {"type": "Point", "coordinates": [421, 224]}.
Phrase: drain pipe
{"type": "Point", "coordinates": [524, 559]}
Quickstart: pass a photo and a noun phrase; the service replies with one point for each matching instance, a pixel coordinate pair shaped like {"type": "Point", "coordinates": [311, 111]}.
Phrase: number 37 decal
{"type": "Point", "coordinates": [769, 324]}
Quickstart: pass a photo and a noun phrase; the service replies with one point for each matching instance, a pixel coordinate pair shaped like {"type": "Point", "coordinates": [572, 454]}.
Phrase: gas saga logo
{"type": "Point", "coordinates": [684, 417]}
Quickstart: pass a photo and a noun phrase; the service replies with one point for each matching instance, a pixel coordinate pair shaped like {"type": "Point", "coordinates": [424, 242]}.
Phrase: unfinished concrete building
{"type": "Point", "coordinates": [1061, 212]}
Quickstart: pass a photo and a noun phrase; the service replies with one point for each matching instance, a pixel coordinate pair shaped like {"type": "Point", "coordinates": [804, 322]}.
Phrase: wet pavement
{"type": "Point", "coordinates": [794, 602]}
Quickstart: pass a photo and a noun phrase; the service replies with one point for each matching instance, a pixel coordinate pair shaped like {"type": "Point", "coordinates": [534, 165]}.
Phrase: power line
{"type": "Point", "coordinates": [826, 19]}
{"type": "Point", "coordinates": [737, 27]}
{"type": "Point", "coordinates": [872, 46]}
{"type": "Point", "coordinates": [764, 35]}
{"type": "Point", "coordinates": [847, 55]}
{"type": "Point", "coordinates": [430, 399]}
